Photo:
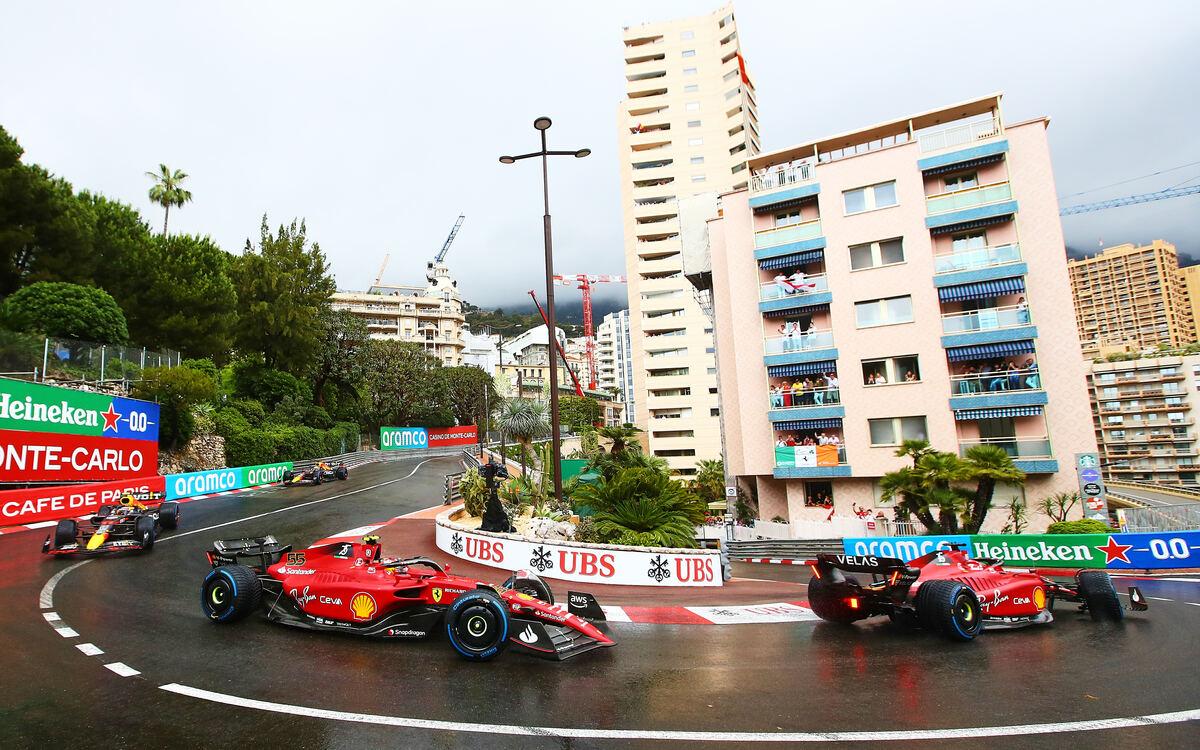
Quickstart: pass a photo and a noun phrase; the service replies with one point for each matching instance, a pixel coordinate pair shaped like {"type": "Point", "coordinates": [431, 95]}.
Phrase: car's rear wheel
{"type": "Point", "coordinates": [288, 476]}
{"type": "Point", "coordinates": [1098, 592]}
{"type": "Point", "coordinates": [168, 515]}
{"type": "Point", "coordinates": [66, 532]}
{"type": "Point", "coordinates": [830, 601]}
{"type": "Point", "coordinates": [318, 476]}
{"type": "Point", "coordinates": [144, 532]}
{"type": "Point", "coordinates": [341, 472]}
{"type": "Point", "coordinates": [230, 592]}
{"type": "Point", "coordinates": [477, 625]}
{"type": "Point", "coordinates": [950, 607]}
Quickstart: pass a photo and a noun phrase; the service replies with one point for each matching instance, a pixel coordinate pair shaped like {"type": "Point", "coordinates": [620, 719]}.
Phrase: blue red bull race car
{"type": "Point", "coordinates": [128, 527]}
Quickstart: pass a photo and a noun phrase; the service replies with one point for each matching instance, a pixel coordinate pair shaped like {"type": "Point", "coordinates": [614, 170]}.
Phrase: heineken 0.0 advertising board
{"type": "Point", "coordinates": [33, 407]}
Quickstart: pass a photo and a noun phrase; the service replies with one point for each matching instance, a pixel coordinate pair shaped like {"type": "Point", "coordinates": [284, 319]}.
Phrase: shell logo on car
{"type": "Point", "coordinates": [1039, 598]}
{"type": "Point", "coordinates": [363, 606]}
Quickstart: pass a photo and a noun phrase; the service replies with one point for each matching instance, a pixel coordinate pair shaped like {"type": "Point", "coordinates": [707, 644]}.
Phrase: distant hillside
{"type": "Point", "coordinates": [520, 317]}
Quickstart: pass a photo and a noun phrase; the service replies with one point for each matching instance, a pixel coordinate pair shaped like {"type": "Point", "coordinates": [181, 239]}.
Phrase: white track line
{"type": "Point", "coordinates": [66, 632]}
{"type": "Point", "coordinates": [689, 736]}
{"type": "Point", "coordinates": [51, 616]}
{"type": "Point", "coordinates": [46, 598]}
{"type": "Point", "coordinates": [122, 669]}
{"type": "Point", "coordinates": [90, 649]}
{"type": "Point", "coordinates": [295, 507]}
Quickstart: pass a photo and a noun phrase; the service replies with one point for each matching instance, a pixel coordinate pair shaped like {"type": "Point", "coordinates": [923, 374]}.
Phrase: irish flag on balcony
{"type": "Point", "coordinates": [806, 455]}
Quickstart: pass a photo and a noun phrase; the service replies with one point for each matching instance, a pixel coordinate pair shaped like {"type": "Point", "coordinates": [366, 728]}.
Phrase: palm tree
{"type": "Point", "coordinates": [168, 190]}
{"type": "Point", "coordinates": [913, 449]}
{"type": "Point", "coordinates": [620, 437]}
{"type": "Point", "coordinates": [938, 472]}
{"type": "Point", "coordinates": [987, 465]}
{"type": "Point", "coordinates": [903, 487]}
{"type": "Point", "coordinates": [523, 420]}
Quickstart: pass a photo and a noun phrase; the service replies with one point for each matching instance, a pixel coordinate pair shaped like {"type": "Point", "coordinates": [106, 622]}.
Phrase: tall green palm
{"type": "Point", "coordinates": [913, 449]}
{"type": "Point", "coordinates": [938, 472]}
{"type": "Point", "coordinates": [523, 421]}
{"type": "Point", "coordinates": [987, 465]}
{"type": "Point", "coordinates": [168, 190]}
{"type": "Point", "coordinates": [620, 436]}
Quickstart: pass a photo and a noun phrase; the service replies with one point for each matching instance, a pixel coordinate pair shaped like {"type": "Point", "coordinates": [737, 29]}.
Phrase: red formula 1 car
{"type": "Point", "coordinates": [947, 592]}
{"type": "Point", "coordinates": [349, 587]}
{"type": "Point", "coordinates": [130, 526]}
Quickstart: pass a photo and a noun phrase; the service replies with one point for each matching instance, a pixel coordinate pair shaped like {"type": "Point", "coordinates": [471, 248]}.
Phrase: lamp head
{"type": "Point", "coordinates": [542, 123]}
{"type": "Point", "coordinates": [507, 160]}
{"type": "Point", "coordinates": [582, 153]}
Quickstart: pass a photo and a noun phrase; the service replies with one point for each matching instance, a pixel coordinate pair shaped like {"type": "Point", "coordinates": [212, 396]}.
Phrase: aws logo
{"type": "Point", "coordinates": [363, 606]}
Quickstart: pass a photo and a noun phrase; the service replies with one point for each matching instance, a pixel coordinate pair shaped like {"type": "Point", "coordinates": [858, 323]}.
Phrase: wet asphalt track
{"type": "Point", "coordinates": [802, 677]}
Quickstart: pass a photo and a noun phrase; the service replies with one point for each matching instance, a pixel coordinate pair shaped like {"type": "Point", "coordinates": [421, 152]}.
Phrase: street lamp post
{"type": "Point", "coordinates": [542, 124]}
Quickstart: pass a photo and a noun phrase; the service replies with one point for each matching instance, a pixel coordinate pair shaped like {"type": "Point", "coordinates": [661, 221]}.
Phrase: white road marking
{"type": "Point", "coordinates": [66, 632]}
{"type": "Point", "coordinates": [295, 507]}
{"type": "Point", "coordinates": [754, 613]}
{"type": "Point", "coordinates": [1159, 599]}
{"type": "Point", "coordinates": [426, 510]}
{"type": "Point", "coordinates": [51, 616]}
{"type": "Point", "coordinates": [90, 649]}
{"type": "Point", "coordinates": [1194, 604]}
{"type": "Point", "coordinates": [615, 614]}
{"type": "Point", "coordinates": [46, 598]}
{"type": "Point", "coordinates": [687, 736]}
{"type": "Point", "coordinates": [41, 524]}
{"type": "Point", "coordinates": [122, 669]}
{"type": "Point", "coordinates": [360, 531]}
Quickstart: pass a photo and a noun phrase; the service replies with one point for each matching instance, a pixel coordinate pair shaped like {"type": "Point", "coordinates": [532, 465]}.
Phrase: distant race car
{"type": "Point", "coordinates": [132, 525]}
{"type": "Point", "coordinates": [318, 474]}
{"type": "Point", "coordinates": [947, 592]}
{"type": "Point", "coordinates": [349, 587]}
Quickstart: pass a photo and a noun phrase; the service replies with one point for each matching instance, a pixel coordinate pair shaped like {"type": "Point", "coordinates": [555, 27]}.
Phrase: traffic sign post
{"type": "Point", "coordinates": [1091, 487]}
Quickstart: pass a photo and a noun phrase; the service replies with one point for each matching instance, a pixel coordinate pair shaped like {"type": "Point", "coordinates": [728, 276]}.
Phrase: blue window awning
{"type": "Point", "coordinates": [796, 310]}
{"type": "Point", "coordinates": [804, 368]}
{"type": "Point", "coordinates": [978, 162]}
{"type": "Point", "coordinates": [982, 289]}
{"type": "Point", "coordinates": [963, 415]}
{"type": "Point", "coordinates": [963, 226]}
{"type": "Point", "coordinates": [990, 351]}
{"type": "Point", "coordinates": [795, 259]}
{"type": "Point", "coordinates": [809, 424]}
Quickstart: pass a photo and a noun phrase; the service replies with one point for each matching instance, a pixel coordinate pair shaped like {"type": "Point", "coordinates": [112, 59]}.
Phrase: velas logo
{"type": "Point", "coordinates": [42, 408]}
{"type": "Point", "coordinates": [363, 606]}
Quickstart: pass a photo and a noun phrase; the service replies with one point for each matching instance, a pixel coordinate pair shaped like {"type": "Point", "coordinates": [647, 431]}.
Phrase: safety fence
{"type": "Point", "coordinates": [1185, 517]}
{"type": "Point", "coordinates": [72, 361]}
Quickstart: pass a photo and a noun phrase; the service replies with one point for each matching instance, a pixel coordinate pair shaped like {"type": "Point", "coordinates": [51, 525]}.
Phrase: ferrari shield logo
{"type": "Point", "coordinates": [437, 595]}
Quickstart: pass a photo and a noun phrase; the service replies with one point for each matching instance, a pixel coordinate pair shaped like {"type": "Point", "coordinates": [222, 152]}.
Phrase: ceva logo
{"type": "Point", "coordinates": [403, 438]}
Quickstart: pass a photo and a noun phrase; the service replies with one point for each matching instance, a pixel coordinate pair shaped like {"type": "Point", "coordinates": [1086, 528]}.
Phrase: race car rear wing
{"type": "Point", "coordinates": [898, 574]}
{"type": "Point", "coordinates": [256, 552]}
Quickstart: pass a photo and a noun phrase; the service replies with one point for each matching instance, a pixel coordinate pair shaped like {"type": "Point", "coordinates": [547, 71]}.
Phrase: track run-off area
{"type": "Point", "coordinates": [116, 652]}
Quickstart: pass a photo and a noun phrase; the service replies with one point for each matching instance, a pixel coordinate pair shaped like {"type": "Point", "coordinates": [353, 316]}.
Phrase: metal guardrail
{"type": "Point", "coordinates": [362, 457]}
{"type": "Point", "coordinates": [786, 548]}
{"type": "Point", "coordinates": [1162, 518]}
{"type": "Point", "coordinates": [1159, 488]}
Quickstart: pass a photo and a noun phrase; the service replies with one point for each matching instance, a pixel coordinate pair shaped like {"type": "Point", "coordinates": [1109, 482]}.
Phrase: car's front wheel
{"type": "Point", "coordinates": [477, 625]}
{"type": "Point", "coordinates": [66, 532]}
{"type": "Point", "coordinates": [230, 592]}
{"type": "Point", "coordinates": [168, 515]}
{"type": "Point", "coordinates": [950, 607]}
{"type": "Point", "coordinates": [145, 532]}
{"type": "Point", "coordinates": [1098, 592]}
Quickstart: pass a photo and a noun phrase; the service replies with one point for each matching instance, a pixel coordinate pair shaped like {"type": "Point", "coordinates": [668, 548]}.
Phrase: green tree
{"type": "Point", "coordinates": [122, 245]}
{"type": "Point", "coordinates": [168, 190]}
{"type": "Point", "coordinates": [578, 412]}
{"type": "Point", "coordinates": [523, 421]}
{"type": "Point", "coordinates": [406, 386]}
{"type": "Point", "coordinates": [61, 309]}
{"type": "Point", "coordinates": [987, 465]}
{"type": "Point", "coordinates": [621, 436]}
{"type": "Point", "coordinates": [283, 287]}
{"type": "Point", "coordinates": [643, 507]}
{"type": "Point", "coordinates": [341, 355]}
{"type": "Point", "coordinates": [709, 484]}
{"type": "Point", "coordinates": [1058, 506]}
{"type": "Point", "coordinates": [177, 390]}
{"type": "Point", "coordinates": [472, 395]}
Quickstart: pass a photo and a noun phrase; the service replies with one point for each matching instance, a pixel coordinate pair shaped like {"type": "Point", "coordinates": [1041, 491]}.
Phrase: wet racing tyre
{"type": "Point", "coordinates": [288, 476]}
{"type": "Point", "coordinates": [144, 532]}
{"type": "Point", "coordinates": [230, 592]}
{"type": "Point", "coordinates": [168, 515]}
{"type": "Point", "coordinates": [951, 608]}
{"type": "Point", "coordinates": [65, 532]}
{"type": "Point", "coordinates": [477, 625]}
{"type": "Point", "coordinates": [341, 472]}
{"type": "Point", "coordinates": [1098, 592]}
{"type": "Point", "coordinates": [828, 601]}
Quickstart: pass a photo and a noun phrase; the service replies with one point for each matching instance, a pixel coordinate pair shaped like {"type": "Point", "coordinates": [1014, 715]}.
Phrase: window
{"type": "Point", "coordinates": [687, 35]}
{"type": "Point", "coordinates": [689, 71]}
{"type": "Point", "coordinates": [870, 198]}
{"type": "Point", "coordinates": [883, 312]}
{"type": "Point", "coordinates": [961, 182]}
{"type": "Point", "coordinates": [969, 241]}
{"type": "Point", "coordinates": [875, 254]}
{"type": "Point", "coordinates": [691, 88]}
{"type": "Point", "coordinates": [692, 106]}
{"type": "Point", "coordinates": [714, 412]}
{"type": "Point", "coordinates": [787, 218]}
{"type": "Point", "coordinates": [712, 371]}
{"type": "Point", "coordinates": [693, 123]}
{"type": "Point", "coordinates": [695, 141]}
{"type": "Point", "coordinates": [896, 430]}
{"type": "Point", "coordinates": [731, 74]}
{"type": "Point", "coordinates": [1108, 377]}
{"type": "Point", "coordinates": [891, 371]}
{"type": "Point", "coordinates": [689, 53]}
{"type": "Point", "coordinates": [698, 178]}
{"type": "Point", "coordinates": [733, 92]}
{"type": "Point", "coordinates": [697, 160]}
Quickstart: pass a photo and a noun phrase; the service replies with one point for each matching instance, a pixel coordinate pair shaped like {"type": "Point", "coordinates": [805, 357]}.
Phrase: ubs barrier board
{"type": "Point", "coordinates": [1118, 551]}
{"type": "Point", "coordinates": [222, 480]}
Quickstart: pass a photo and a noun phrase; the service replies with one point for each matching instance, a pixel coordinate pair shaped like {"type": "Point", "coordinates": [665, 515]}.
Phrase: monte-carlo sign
{"type": "Point", "coordinates": [418, 438]}
{"type": "Point", "coordinates": [50, 434]}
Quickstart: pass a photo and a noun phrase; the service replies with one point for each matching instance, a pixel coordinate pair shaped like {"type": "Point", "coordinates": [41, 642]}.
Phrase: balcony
{"type": "Point", "coordinates": [782, 185]}
{"type": "Point", "coordinates": [1031, 455]}
{"type": "Point", "coordinates": [988, 326]}
{"type": "Point", "coordinates": [808, 403]}
{"type": "Point", "coordinates": [794, 293]}
{"type": "Point", "coordinates": [997, 389]}
{"type": "Point", "coordinates": [810, 461]}
{"type": "Point", "coordinates": [959, 135]}
{"type": "Point", "coordinates": [978, 264]}
{"type": "Point", "coordinates": [971, 204]}
{"type": "Point", "coordinates": [794, 238]}
{"type": "Point", "coordinates": [814, 346]}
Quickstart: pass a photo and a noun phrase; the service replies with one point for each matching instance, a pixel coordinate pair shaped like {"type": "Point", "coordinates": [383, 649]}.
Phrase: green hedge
{"type": "Point", "coordinates": [1083, 526]}
{"type": "Point", "coordinates": [245, 446]}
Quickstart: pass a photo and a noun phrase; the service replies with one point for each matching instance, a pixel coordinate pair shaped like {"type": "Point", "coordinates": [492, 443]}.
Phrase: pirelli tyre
{"type": "Point", "coordinates": [168, 515]}
{"type": "Point", "coordinates": [66, 532]}
{"type": "Point", "coordinates": [341, 472]}
{"type": "Point", "coordinates": [229, 593]}
{"type": "Point", "coordinates": [828, 601]}
{"type": "Point", "coordinates": [477, 625]}
{"type": "Point", "coordinates": [288, 476]}
{"type": "Point", "coordinates": [950, 608]}
{"type": "Point", "coordinates": [1100, 596]}
{"type": "Point", "coordinates": [144, 532]}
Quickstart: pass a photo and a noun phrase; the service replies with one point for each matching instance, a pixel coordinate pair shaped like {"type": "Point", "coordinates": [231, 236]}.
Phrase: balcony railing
{"type": "Point", "coordinates": [1015, 447]}
{"type": "Point", "coordinates": [793, 287]}
{"type": "Point", "coordinates": [792, 233]}
{"type": "Point", "coordinates": [783, 176]}
{"type": "Point", "coordinates": [799, 342]}
{"type": "Point", "coordinates": [810, 455]}
{"type": "Point", "coordinates": [991, 383]}
{"type": "Point", "coordinates": [982, 257]}
{"type": "Point", "coordinates": [790, 398]}
{"type": "Point", "coordinates": [988, 319]}
{"type": "Point", "coordinates": [959, 135]}
{"type": "Point", "coordinates": [968, 198]}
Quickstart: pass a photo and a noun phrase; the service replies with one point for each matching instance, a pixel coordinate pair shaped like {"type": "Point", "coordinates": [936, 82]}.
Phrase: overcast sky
{"type": "Point", "coordinates": [380, 122]}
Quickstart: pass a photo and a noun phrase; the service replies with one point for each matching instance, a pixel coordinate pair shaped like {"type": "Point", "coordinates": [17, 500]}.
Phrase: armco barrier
{"type": "Point", "coordinates": [223, 480]}
{"type": "Point", "coordinates": [19, 507]}
{"type": "Point", "coordinates": [1117, 551]}
{"type": "Point", "coordinates": [575, 561]}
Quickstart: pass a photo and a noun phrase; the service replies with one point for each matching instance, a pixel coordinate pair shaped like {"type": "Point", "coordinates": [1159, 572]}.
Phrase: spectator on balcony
{"type": "Point", "coordinates": [801, 283]}
{"type": "Point", "coordinates": [776, 397]}
{"type": "Point", "coordinates": [1014, 376]}
{"type": "Point", "coordinates": [910, 377]}
{"type": "Point", "coordinates": [784, 285]}
{"type": "Point", "coordinates": [831, 382]}
{"type": "Point", "coordinates": [1022, 311]}
{"type": "Point", "coordinates": [1032, 380]}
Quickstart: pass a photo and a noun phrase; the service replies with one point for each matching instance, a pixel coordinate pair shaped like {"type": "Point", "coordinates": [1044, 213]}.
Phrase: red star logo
{"type": "Point", "coordinates": [1113, 551]}
{"type": "Point", "coordinates": [111, 419]}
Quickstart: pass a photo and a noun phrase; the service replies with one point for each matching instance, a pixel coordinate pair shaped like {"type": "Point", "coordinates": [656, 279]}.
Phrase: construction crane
{"type": "Point", "coordinates": [1129, 200]}
{"type": "Point", "coordinates": [585, 282]}
{"type": "Point", "coordinates": [441, 256]}
{"type": "Point", "coordinates": [557, 347]}
{"type": "Point", "coordinates": [382, 268]}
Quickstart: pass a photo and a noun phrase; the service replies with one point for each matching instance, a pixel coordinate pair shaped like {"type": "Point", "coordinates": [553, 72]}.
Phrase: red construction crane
{"type": "Point", "coordinates": [585, 281]}
{"type": "Point", "coordinates": [557, 347]}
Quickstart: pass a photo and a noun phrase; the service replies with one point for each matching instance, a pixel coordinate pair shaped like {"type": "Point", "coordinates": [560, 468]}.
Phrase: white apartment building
{"type": "Point", "coordinates": [686, 126]}
{"type": "Point", "coordinates": [614, 362]}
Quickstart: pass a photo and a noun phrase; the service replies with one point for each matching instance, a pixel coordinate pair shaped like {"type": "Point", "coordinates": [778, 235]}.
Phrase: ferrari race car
{"type": "Point", "coordinates": [947, 592]}
{"type": "Point", "coordinates": [349, 587]}
{"type": "Point", "coordinates": [318, 474]}
{"type": "Point", "coordinates": [132, 525]}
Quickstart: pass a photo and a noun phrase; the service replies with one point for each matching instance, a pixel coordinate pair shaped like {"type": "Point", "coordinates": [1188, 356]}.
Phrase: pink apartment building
{"type": "Point", "coordinates": [907, 280]}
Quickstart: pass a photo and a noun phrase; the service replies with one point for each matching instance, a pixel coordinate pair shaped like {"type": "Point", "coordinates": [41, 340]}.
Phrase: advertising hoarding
{"type": "Point", "coordinates": [50, 503]}
{"type": "Point", "coordinates": [57, 457]}
{"type": "Point", "coordinates": [223, 480]}
{"type": "Point", "coordinates": [418, 438]}
{"type": "Point", "coordinates": [33, 407]}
